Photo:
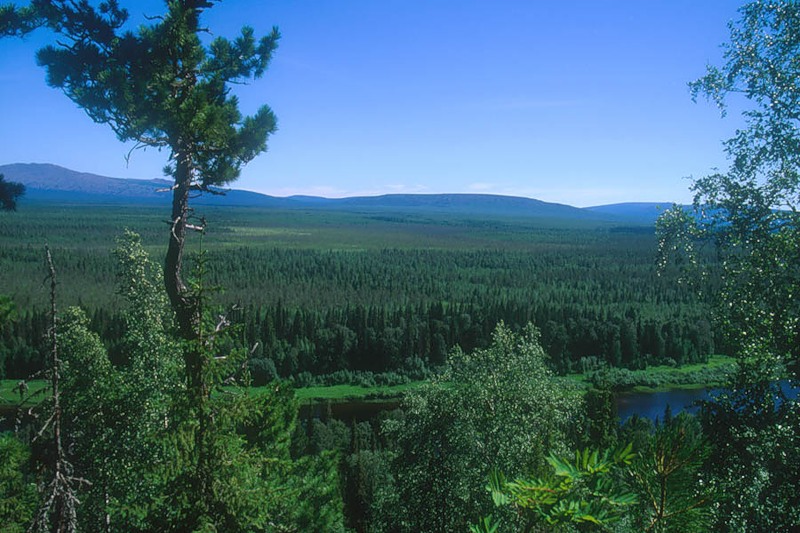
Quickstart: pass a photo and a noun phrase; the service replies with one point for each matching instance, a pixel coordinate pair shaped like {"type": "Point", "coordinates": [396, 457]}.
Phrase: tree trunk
{"type": "Point", "coordinates": [188, 313]}
{"type": "Point", "coordinates": [173, 277]}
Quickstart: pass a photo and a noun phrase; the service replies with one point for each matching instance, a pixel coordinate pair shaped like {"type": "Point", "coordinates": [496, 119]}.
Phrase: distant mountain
{"type": "Point", "coordinates": [456, 204]}
{"type": "Point", "coordinates": [465, 203]}
{"type": "Point", "coordinates": [51, 183]}
{"type": "Point", "coordinates": [644, 212]}
{"type": "Point", "coordinates": [45, 177]}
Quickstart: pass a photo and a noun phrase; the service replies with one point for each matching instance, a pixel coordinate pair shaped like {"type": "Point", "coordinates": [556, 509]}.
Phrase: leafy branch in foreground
{"type": "Point", "coordinates": [659, 488]}
{"type": "Point", "coordinates": [673, 495]}
{"type": "Point", "coordinates": [585, 492]}
{"type": "Point", "coordinates": [750, 211]}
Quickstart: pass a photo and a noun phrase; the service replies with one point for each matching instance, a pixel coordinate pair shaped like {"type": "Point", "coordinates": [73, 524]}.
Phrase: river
{"type": "Point", "coordinates": [645, 404]}
{"type": "Point", "coordinates": [652, 404]}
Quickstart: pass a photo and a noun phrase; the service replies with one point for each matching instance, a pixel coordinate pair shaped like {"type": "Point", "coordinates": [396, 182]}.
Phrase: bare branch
{"type": "Point", "coordinates": [60, 501]}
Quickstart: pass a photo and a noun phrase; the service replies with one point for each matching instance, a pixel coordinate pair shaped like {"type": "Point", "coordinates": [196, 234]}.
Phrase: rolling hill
{"type": "Point", "coordinates": [53, 184]}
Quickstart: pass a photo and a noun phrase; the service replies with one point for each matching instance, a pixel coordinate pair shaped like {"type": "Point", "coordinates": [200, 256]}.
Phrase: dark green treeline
{"type": "Point", "coordinates": [325, 292]}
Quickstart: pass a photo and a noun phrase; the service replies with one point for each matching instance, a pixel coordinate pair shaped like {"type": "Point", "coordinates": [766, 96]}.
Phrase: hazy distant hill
{"type": "Point", "coordinates": [461, 204]}
{"type": "Point", "coordinates": [637, 211]}
{"type": "Point", "coordinates": [51, 183]}
{"type": "Point", "coordinates": [45, 177]}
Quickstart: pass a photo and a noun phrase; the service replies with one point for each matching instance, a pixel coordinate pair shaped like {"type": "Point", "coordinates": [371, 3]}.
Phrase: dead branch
{"type": "Point", "coordinates": [58, 511]}
{"type": "Point", "coordinates": [168, 189]}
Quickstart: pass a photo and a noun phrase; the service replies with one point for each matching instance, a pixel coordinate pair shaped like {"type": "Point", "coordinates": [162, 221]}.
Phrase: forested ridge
{"type": "Point", "coordinates": [374, 300]}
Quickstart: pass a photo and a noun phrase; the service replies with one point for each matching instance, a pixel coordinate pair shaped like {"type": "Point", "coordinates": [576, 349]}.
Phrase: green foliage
{"type": "Point", "coordinates": [254, 484]}
{"type": "Point", "coordinates": [584, 491]}
{"type": "Point", "coordinates": [305, 495]}
{"type": "Point", "coordinates": [371, 498]}
{"type": "Point", "coordinates": [496, 407]}
{"type": "Point", "coordinates": [324, 291]}
{"type": "Point", "coordinates": [487, 524]}
{"type": "Point", "coordinates": [750, 213]}
{"type": "Point", "coordinates": [673, 493]}
{"type": "Point", "coordinates": [661, 487]}
{"type": "Point", "coordinates": [755, 463]}
{"type": "Point", "coordinates": [233, 470]}
{"type": "Point", "coordinates": [364, 469]}
{"type": "Point", "coordinates": [132, 430]}
{"type": "Point", "coordinates": [9, 191]}
{"type": "Point", "coordinates": [116, 413]}
{"type": "Point", "coordinates": [105, 429]}
{"type": "Point", "coordinates": [602, 421]}
{"type": "Point", "coordinates": [18, 497]}
{"type": "Point", "coordinates": [7, 313]}
{"type": "Point", "coordinates": [7, 309]}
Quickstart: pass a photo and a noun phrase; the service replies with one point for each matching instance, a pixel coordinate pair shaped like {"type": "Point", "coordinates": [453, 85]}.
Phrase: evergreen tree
{"type": "Point", "coordinates": [7, 309]}
{"type": "Point", "coordinates": [18, 498]}
{"type": "Point", "coordinates": [668, 478]}
{"type": "Point", "coordinates": [133, 436]}
{"type": "Point", "coordinates": [9, 194]}
{"type": "Point", "coordinates": [161, 87]}
{"type": "Point", "coordinates": [601, 414]}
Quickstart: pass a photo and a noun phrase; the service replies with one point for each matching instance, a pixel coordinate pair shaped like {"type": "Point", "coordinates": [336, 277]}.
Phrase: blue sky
{"type": "Point", "coordinates": [578, 102]}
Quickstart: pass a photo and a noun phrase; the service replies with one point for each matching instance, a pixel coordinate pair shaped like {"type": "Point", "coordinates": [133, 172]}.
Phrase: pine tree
{"type": "Point", "coordinates": [161, 87]}
{"type": "Point", "coordinates": [9, 194]}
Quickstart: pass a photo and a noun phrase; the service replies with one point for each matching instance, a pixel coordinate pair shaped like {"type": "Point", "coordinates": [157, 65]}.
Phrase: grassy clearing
{"type": "Point", "coordinates": [8, 394]}
{"type": "Point", "coordinates": [305, 395]}
{"type": "Point", "coordinates": [671, 387]}
{"type": "Point", "coordinates": [714, 361]}
{"type": "Point", "coordinates": [718, 365]}
{"type": "Point", "coordinates": [663, 377]}
{"type": "Point", "coordinates": [353, 392]}
{"type": "Point", "coordinates": [666, 378]}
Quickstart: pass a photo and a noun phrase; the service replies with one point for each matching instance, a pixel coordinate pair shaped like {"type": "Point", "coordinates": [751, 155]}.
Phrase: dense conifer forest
{"type": "Point", "coordinates": [324, 292]}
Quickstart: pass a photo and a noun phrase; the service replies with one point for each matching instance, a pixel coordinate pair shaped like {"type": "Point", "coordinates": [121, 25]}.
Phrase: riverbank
{"type": "Point", "coordinates": [654, 379]}
{"type": "Point", "coordinates": [660, 378]}
{"type": "Point", "coordinates": [664, 378]}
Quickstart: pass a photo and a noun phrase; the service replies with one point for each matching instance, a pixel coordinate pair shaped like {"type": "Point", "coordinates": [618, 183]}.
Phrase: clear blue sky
{"type": "Point", "coordinates": [580, 102]}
